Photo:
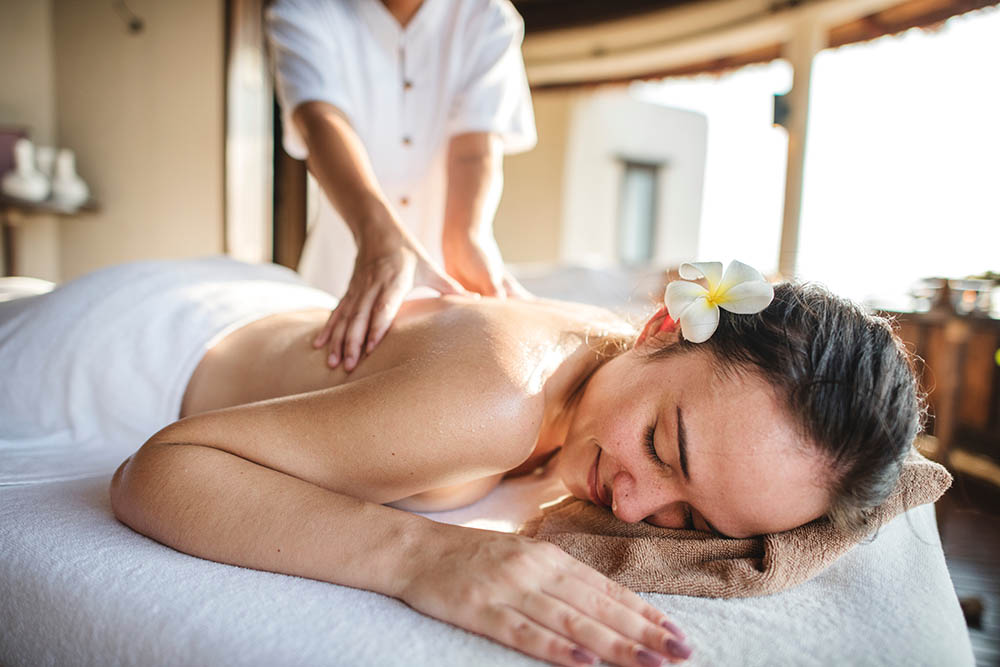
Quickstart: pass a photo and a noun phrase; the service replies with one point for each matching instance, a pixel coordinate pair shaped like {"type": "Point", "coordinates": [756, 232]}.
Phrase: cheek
{"type": "Point", "coordinates": [675, 516]}
{"type": "Point", "coordinates": [623, 430]}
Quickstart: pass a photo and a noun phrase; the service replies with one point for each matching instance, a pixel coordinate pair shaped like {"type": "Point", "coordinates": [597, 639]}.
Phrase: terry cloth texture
{"type": "Point", "coordinates": [684, 562]}
{"type": "Point", "coordinates": [92, 369]}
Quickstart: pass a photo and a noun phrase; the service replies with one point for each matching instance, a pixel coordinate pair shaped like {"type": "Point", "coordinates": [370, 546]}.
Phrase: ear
{"type": "Point", "coordinates": [659, 328]}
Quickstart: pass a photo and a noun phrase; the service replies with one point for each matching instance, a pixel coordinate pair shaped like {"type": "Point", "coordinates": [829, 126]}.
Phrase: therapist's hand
{"type": "Point", "coordinates": [475, 261]}
{"type": "Point", "coordinates": [386, 269]}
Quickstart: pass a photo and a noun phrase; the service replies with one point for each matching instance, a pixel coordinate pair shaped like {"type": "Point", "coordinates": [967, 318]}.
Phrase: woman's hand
{"type": "Point", "coordinates": [386, 269]}
{"type": "Point", "coordinates": [534, 597]}
{"type": "Point", "coordinates": [475, 261]}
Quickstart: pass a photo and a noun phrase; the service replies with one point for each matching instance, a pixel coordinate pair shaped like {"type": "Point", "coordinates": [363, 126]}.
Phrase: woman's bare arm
{"type": "Point", "coordinates": [221, 507]}
{"type": "Point", "coordinates": [270, 486]}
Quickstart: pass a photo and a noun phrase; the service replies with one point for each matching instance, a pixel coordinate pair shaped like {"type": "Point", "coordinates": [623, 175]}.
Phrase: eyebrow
{"type": "Point", "coordinates": [682, 445]}
{"type": "Point", "coordinates": [682, 455]}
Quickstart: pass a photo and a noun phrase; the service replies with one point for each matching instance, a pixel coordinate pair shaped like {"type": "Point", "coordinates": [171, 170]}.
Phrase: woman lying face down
{"type": "Point", "coordinates": [804, 409]}
{"type": "Point", "coordinates": [704, 451]}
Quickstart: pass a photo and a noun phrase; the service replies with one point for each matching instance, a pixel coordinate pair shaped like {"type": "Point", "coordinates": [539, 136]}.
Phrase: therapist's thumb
{"type": "Point", "coordinates": [445, 284]}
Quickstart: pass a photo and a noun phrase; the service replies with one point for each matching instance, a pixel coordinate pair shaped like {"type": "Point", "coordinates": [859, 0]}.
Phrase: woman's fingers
{"type": "Point", "coordinates": [619, 593]}
{"type": "Point", "coordinates": [586, 628]}
{"type": "Point", "coordinates": [625, 622]}
{"type": "Point", "coordinates": [553, 614]}
{"type": "Point", "coordinates": [513, 628]}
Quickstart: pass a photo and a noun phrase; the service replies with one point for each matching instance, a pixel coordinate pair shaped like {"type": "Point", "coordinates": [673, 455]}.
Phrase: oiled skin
{"type": "Point", "coordinates": [283, 465]}
{"type": "Point", "coordinates": [470, 357]}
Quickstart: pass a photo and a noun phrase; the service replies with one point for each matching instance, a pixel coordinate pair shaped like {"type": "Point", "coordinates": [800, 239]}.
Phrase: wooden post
{"type": "Point", "coordinates": [249, 139]}
{"type": "Point", "coordinates": [808, 39]}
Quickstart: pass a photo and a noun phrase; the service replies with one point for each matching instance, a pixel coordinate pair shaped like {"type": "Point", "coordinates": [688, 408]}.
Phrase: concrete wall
{"type": "Point", "coordinates": [561, 201]}
{"type": "Point", "coordinates": [27, 99]}
{"type": "Point", "coordinates": [145, 115]}
{"type": "Point", "coordinates": [527, 225]}
{"type": "Point", "coordinates": [608, 128]}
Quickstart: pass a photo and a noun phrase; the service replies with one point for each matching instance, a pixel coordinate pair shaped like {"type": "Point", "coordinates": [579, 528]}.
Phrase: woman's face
{"type": "Point", "coordinates": [675, 444]}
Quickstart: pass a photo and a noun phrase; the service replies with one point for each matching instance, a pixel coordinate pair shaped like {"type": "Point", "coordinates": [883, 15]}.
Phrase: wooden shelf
{"type": "Point", "coordinates": [47, 206]}
{"type": "Point", "coordinates": [15, 212]}
{"type": "Point", "coordinates": [957, 360]}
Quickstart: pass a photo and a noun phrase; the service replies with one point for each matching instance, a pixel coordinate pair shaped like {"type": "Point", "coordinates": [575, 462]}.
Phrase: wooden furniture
{"type": "Point", "coordinates": [958, 359]}
{"type": "Point", "coordinates": [16, 212]}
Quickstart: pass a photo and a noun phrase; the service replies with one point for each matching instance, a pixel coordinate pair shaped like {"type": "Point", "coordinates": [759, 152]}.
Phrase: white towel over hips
{"type": "Point", "coordinates": [95, 367]}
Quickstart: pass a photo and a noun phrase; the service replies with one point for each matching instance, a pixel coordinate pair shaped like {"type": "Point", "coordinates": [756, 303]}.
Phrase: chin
{"type": "Point", "coordinates": [574, 473]}
{"type": "Point", "coordinates": [563, 470]}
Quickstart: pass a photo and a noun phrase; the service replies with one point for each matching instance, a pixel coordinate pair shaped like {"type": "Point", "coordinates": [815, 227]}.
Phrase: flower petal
{"type": "Point", "coordinates": [680, 294]}
{"type": "Point", "coordinates": [699, 320]}
{"type": "Point", "coordinates": [747, 298]}
{"type": "Point", "coordinates": [736, 273]}
{"type": "Point", "coordinates": [711, 271]}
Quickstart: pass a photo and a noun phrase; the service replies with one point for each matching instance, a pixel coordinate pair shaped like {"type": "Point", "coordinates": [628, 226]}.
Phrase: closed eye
{"type": "Point", "coordinates": [651, 445]}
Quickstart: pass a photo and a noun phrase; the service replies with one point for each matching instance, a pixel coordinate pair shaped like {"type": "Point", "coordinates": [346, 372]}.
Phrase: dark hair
{"type": "Point", "coordinates": [845, 378]}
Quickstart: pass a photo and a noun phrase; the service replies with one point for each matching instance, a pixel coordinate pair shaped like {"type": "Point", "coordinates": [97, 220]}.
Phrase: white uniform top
{"type": "Point", "coordinates": [455, 68]}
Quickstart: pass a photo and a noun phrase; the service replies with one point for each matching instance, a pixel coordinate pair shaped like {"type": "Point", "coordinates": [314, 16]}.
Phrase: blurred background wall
{"type": "Point", "coordinates": [28, 99]}
{"type": "Point", "coordinates": [144, 113]}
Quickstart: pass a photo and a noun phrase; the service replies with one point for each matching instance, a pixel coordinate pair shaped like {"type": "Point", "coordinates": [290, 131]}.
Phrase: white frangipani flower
{"type": "Point", "coordinates": [742, 289]}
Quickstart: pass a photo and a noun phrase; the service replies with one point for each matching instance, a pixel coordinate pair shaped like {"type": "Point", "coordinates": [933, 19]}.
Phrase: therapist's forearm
{"type": "Point", "coordinates": [475, 182]}
{"type": "Point", "coordinates": [339, 162]}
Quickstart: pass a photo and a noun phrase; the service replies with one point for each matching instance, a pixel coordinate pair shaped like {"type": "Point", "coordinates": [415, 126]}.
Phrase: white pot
{"type": "Point", "coordinates": [25, 181]}
{"type": "Point", "coordinates": [68, 189]}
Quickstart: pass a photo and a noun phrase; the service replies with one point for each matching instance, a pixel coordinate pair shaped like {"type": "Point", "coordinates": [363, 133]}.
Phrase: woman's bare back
{"type": "Point", "coordinates": [505, 345]}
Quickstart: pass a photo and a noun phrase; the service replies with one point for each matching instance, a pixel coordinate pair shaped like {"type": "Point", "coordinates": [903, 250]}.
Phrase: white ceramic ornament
{"type": "Point", "coordinates": [68, 189]}
{"type": "Point", "coordinates": [45, 158]}
{"type": "Point", "coordinates": [25, 181]}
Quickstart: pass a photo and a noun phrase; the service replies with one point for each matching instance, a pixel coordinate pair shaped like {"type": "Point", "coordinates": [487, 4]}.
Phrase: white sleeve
{"type": "Point", "coordinates": [307, 65]}
{"type": "Point", "coordinates": [493, 94]}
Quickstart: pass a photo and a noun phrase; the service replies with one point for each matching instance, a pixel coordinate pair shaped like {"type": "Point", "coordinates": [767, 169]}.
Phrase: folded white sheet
{"type": "Point", "coordinates": [78, 588]}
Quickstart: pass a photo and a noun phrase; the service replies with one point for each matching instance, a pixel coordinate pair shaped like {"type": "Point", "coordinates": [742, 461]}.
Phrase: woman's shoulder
{"type": "Point", "coordinates": [504, 339]}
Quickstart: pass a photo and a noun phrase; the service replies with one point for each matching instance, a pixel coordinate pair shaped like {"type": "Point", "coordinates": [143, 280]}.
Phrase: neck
{"type": "Point", "coordinates": [403, 10]}
{"type": "Point", "coordinates": [563, 390]}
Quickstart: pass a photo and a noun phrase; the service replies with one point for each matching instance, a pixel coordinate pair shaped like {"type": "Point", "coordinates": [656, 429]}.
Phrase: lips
{"type": "Point", "coordinates": [596, 489]}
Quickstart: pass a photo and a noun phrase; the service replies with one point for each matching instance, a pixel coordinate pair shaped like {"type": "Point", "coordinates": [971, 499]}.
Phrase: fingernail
{"type": "Point", "coordinates": [676, 649]}
{"type": "Point", "coordinates": [583, 655]}
{"type": "Point", "coordinates": [648, 659]}
{"type": "Point", "coordinates": [332, 360]}
{"type": "Point", "coordinates": [677, 632]}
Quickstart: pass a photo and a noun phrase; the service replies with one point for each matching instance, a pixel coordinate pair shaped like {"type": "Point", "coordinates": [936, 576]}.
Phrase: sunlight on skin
{"type": "Point", "coordinates": [750, 472]}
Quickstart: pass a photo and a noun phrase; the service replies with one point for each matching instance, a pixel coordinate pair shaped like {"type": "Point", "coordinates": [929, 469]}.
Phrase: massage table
{"type": "Point", "coordinates": [79, 588]}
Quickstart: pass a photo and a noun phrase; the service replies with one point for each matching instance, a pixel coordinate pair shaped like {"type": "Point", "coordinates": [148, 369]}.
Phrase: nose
{"type": "Point", "coordinates": [632, 502]}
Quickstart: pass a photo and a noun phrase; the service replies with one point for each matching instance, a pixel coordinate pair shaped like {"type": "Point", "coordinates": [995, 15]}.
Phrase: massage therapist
{"type": "Point", "coordinates": [403, 110]}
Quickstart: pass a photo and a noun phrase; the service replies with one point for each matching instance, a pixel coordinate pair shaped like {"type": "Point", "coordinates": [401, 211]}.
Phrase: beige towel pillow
{"type": "Point", "coordinates": [662, 560]}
